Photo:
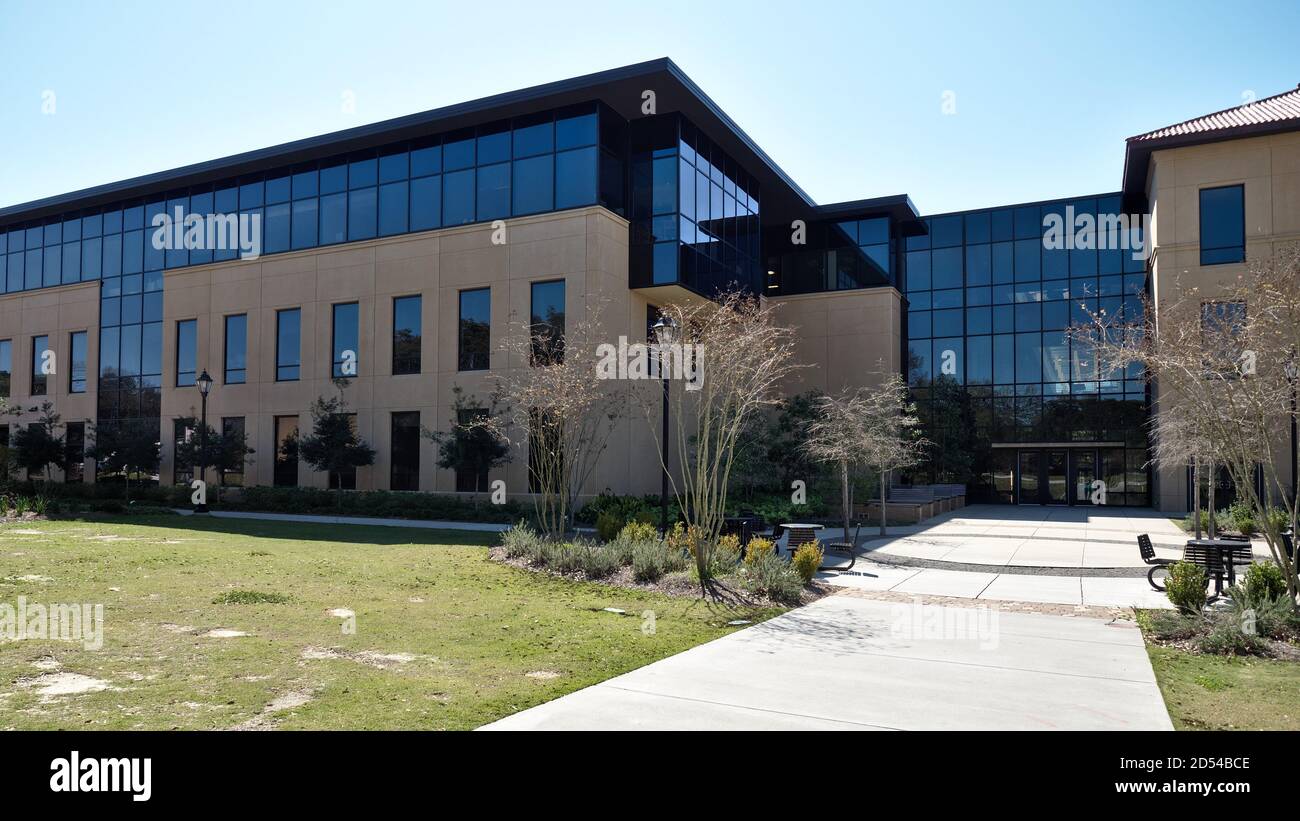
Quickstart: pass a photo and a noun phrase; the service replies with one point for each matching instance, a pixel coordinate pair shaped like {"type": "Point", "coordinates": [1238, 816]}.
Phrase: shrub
{"type": "Point", "coordinates": [1279, 518]}
{"type": "Point", "coordinates": [521, 541]}
{"type": "Point", "coordinates": [624, 508]}
{"type": "Point", "coordinates": [1221, 521]}
{"type": "Point", "coordinates": [381, 503]}
{"type": "Point", "coordinates": [1262, 583]}
{"type": "Point", "coordinates": [1167, 625]}
{"type": "Point", "coordinates": [608, 525]}
{"type": "Point", "coordinates": [807, 559]}
{"type": "Point", "coordinates": [1242, 517]}
{"type": "Point", "coordinates": [588, 558]}
{"type": "Point", "coordinates": [1186, 587]}
{"type": "Point", "coordinates": [773, 577]}
{"type": "Point", "coordinates": [757, 548]}
{"type": "Point", "coordinates": [1275, 618]}
{"type": "Point", "coordinates": [1227, 638]}
{"type": "Point", "coordinates": [650, 561]}
{"type": "Point", "coordinates": [639, 532]}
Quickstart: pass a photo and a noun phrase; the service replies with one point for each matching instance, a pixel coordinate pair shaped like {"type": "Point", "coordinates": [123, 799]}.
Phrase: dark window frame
{"type": "Point", "coordinates": [411, 363]}
{"type": "Point", "coordinates": [225, 350]}
{"type": "Point", "coordinates": [472, 360]}
{"type": "Point", "coordinates": [281, 366]}
{"type": "Point", "coordinates": [1201, 221]}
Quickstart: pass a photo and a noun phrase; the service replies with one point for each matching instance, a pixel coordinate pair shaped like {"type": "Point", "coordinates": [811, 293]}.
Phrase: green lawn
{"type": "Point", "coordinates": [1227, 693]}
{"type": "Point", "coordinates": [445, 638]}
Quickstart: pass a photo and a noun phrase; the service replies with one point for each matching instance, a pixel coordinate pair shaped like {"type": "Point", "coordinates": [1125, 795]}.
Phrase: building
{"type": "Point", "coordinates": [380, 261]}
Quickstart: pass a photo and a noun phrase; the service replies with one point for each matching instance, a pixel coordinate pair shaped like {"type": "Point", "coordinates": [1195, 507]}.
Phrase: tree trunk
{"type": "Point", "coordinates": [1196, 496]}
{"type": "Point", "coordinates": [844, 493]}
{"type": "Point", "coordinates": [883, 495]}
{"type": "Point", "coordinates": [1214, 527]}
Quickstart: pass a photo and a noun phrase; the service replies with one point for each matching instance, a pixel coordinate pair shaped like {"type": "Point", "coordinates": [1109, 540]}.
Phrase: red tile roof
{"type": "Point", "coordinates": [1277, 109]}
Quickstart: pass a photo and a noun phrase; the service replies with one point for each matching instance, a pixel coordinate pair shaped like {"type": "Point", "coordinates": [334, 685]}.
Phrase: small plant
{"type": "Point", "coordinates": [1279, 518]}
{"type": "Point", "coordinates": [807, 559]}
{"type": "Point", "coordinates": [725, 555]}
{"type": "Point", "coordinates": [521, 541]}
{"type": "Point", "coordinates": [1186, 587]}
{"type": "Point", "coordinates": [757, 548]}
{"type": "Point", "coordinates": [250, 597]}
{"type": "Point", "coordinates": [1227, 638]}
{"type": "Point", "coordinates": [1167, 625]}
{"type": "Point", "coordinates": [1242, 517]}
{"type": "Point", "coordinates": [773, 577]}
{"type": "Point", "coordinates": [1262, 583]}
{"type": "Point", "coordinates": [639, 532]}
{"type": "Point", "coordinates": [608, 525]}
{"type": "Point", "coordinates": [650, 561]}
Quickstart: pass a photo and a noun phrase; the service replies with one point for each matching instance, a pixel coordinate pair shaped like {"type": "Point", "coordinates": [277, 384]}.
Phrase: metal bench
{"type": "Point", "coordinates": [1149, 556]}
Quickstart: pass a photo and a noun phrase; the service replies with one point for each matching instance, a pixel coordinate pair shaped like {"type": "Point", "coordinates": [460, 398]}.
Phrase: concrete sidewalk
{"type": "Point", "coordinates": [850, 663]}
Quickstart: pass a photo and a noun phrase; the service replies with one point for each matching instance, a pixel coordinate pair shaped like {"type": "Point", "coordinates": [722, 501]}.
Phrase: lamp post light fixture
{"type": "Point", "coordinates": [665, 331]}
{"type": "Point", "coordinates": [205, 385]}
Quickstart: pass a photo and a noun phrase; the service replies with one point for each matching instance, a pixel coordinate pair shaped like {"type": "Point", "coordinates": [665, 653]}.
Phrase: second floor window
{"type": "Point", "coordinates": [346, 347]}
{"type": "Point", "coordinates": [41, 355]}
{"type": "Point", "coordinates": [77, 369]}
{"type": "Point", "coordinates": [475, 330]}
{"type": "Point", "coordinates": [1223, 225]}
{"type": "Point", "coordinates": [406, 334]}
{"type": "Point", "coordinates": [547, 321]}
{"type": "Point", "coordinates": [187, 352]}
{"type": "Point", "coordinates": [236, 349]}
{"type": "Point", "coordinates": [288, 344]}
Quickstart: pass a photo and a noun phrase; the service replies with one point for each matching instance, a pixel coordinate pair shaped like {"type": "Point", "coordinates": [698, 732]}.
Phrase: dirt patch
{"type": "Point", "coordinates": [47, 664]}
{"type": "Point", "coordinates": [545, 675]}
{"type": "Point", "coordinates": [52, 685]}
{"type": "Point", "coordinates": [176, 628]}
{"type": "Point", "coordinates": [31, 577]}
{"type": "Point", "coordinates": [371, 658]}
{"type": "Point", "coordinates": [285, 701]}
{"type": "Point", "coordinates": [340, 613]}
{"type": "Point", "coordinates": [224, 633]}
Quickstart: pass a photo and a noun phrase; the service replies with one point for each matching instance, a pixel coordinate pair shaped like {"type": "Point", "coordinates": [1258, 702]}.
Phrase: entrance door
{"type": "Point", "coordinates": [1027, 470]}
{"type": "Point", "coordinates": [1042, 477]}
{"type": "Point", "coordinates": [1083, 472]}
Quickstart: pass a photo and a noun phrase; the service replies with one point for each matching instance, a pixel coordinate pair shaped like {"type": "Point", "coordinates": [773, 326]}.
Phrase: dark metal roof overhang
{"type": "Point", "coordinates": [621, 89]}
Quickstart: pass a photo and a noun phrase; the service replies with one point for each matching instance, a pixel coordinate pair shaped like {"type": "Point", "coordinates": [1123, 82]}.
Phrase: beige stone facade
{"type": "Point", "coordinates": [1269, 169]}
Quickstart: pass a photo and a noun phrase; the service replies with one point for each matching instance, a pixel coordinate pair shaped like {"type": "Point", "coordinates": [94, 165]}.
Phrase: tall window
{"type": "Point", "coordinates": [6, 365]}
{"type": "Point", "coordinates": [40, 352]}
{"type": "Point", "coordinates": [237, 349]}
{"type": "Point", "coordinates": [405, 451]}
{"type": "Point", "coordinates": [286, 451]}
{"type": "Point", "coordinates": [74, 441]}
{"type": "Point", "coordinates": [1223, 225]}
{"type": "Point", "coordinates": [475, 330]}
{"type": "Point", "coordinates": [471, 477]}
{"type": "Point", "coordinates": [547, 320]}
{"type": "Point", "coordinates": [182, 470]}
{"type": "Point", "coordinates": [288, 344]}
{"type": "Point", "coordinates": [232, 430]}
{"type": "Point", "coordinates": [347, 478]}
{"type": "Point", "coordinates": [187, 352]}
{"type": "Point", "coordinates": [77, 370]}
{"type": "Point", "coordinates": [346, 347]}
{"type": "Point", "coordinates": [406, 334]}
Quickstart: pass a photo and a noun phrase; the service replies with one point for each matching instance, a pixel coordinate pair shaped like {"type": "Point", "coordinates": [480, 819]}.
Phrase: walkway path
{"type": "Point", "coordinates": [850, 663]}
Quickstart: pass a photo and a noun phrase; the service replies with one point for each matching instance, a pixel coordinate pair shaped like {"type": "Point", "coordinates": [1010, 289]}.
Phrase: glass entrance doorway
{"type": "Point", "coordinates": [1043, 477]}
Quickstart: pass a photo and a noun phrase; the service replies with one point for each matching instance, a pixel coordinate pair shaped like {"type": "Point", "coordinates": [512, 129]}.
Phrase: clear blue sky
{"type": "Point", "coordinates": [846, 97]}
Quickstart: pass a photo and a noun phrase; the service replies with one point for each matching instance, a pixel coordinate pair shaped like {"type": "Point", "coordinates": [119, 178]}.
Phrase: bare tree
{"type": "Point", "coordinates": [876, 427]}
{"type": "Point", "coordinates": [558, 409]}
{"type": "Point", "coordinates": [1224, 367]}
{"type": "Point", "coordinates": [734, 358]}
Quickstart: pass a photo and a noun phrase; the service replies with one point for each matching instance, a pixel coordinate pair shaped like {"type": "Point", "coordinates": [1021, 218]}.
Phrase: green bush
{"type": "Point", "coordinates": [1274, 618]}
{"type": "Point", "coordinates": [1227, 638]}
{"type": "Point", "coordinates": [773, 577]}
{"type": "Point", "coordinates": [588, 558]}
{"type": "Point", "coordinates": [1279, 518]}
{"type": "Point", "coordinates": [1221, 521]}
{"type": "Point", "coordinates": [1170, 625]}
{"type": "Point", "coordinates": [725, 556]}
{"type": "Point", "coordinates": [639, 532]}
{"type": "Point", "coordinates": [1242, 517]}
{"type": "Point", "coordinates": [626, 508]}
{"type": "Point", "coordinates": [608, 525]}
{"type": "Point", "coordinates": [521, 542]}
{"type": "Point", "coordinates": [379, 503]}
{"type": "Point", "coordinates": [651, 560]}
{"type": "Point", "coordinates": [1262, 583]}
{"type": "Point", "coordinates": [806, 560]}
{"type": "Point", "coordinates": [1185, 587]}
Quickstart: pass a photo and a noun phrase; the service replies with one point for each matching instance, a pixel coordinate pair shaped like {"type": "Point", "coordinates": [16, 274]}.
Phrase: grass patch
{"type": "Point", "coordinates": [444, 637]}
{"type": "Point", "coordinates": [1204, 692]}
{"type": "Point", "coordinates": [250, 597]}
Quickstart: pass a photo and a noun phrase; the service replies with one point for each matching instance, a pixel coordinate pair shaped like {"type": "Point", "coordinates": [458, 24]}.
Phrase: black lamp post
{"type": "Point", "coordinates": [665, 330]}
{"type": "Point", "coordinates": [205, 385]}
